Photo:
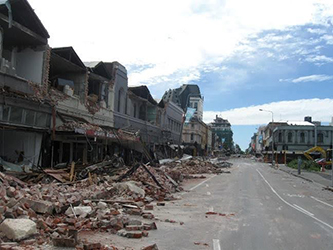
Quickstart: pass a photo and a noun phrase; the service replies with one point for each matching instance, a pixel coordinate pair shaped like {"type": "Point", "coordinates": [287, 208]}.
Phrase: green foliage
{"type": "Point", "coordinates": [306, 165]}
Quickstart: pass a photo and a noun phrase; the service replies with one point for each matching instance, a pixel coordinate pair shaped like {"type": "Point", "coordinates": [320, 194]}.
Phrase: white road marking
{"type": "Point", "coordinates": [201, 183]}
{"type": "Point", "coordinates": [208, 193]}
{"type": "Point", "coordinates": [305, 211]}
{"type": "Point", "coordinates": [216, 244]}
{"type": "Point", "coordinates": [299, 209]}
{"type": "Point", "coordinates": [321, 201]}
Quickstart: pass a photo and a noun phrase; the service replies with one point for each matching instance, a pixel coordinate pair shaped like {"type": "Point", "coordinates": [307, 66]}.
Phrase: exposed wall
{"type": "Point", "coordinates": [149, 133]}
{"type": "Point", "coordinates": [29, 64]}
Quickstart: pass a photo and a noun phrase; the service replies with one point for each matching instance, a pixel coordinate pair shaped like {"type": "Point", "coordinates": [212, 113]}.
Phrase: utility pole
{"type": "Point", "coordinates": [332, 163]}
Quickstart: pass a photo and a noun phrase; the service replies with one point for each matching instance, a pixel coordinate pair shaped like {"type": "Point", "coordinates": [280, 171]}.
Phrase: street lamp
{"type": "Point", "coordinates": [272, 133]}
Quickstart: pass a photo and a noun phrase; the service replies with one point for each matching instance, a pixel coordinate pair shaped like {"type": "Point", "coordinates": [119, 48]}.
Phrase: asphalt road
{"type": "Point", "coordinates": [264, 209]}
{"type": "Point", "coordinates": [257, 207]}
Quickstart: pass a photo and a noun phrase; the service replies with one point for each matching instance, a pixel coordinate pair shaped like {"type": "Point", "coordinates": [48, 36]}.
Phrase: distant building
{"type": "Point", "coordinates": [222, 128]}
{"type": "Point", "coordinates": [188, 95]}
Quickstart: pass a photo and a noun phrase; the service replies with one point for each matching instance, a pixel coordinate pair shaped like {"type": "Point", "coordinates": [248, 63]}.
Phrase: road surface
{"type": "Point", "coordinates": [257, 207]}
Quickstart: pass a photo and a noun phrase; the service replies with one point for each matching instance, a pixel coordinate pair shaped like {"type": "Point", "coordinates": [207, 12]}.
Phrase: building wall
{"type": "Point", "coordinates": [120, 88]}
{"type": "Point", "coordinates": [290, 137]}
{"type": "Point", "coordinates": [29, 63]}
{"type": "Point", "coordinates": [197, 103]}
{"type": "Point", "coordinates": [171, 121]}
{"type": "Point", "coordinates": [149, 133]}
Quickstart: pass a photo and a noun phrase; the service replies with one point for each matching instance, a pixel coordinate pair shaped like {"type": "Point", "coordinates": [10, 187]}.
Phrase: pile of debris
{"type": "Point", "coordinates": [56, 213]}
{"type": "Point", "coordinates": [104, 197]}
{"type": "Point", "coordinates": [179, 170]}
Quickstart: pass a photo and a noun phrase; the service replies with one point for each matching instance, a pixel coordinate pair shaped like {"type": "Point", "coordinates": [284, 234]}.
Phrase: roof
{"type": "Point", "coordinates": [143, 92]}
{"type": "Point", "coordinates": [299, 123]}
{"type": "Point", "coordinates": [70, 55]}
{"type": "Point", "coordinates": [24, 14]}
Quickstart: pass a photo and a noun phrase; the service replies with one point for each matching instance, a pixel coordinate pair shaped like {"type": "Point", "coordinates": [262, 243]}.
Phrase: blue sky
{"type": "Point", "coordinates": [244, 55]}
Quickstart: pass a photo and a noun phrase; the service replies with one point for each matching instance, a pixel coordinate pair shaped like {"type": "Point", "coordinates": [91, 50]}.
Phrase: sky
{"type": "Point", "coordinates": [274, 55]}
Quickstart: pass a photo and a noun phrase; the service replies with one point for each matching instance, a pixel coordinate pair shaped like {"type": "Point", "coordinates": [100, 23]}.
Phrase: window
{"type": "Point", "coordinates": [196, 106]}
{"type": "Point", "coordinates": [41, 119]}
{"type": "Point", "coordinates": [134, 110]}
{"type": "Point", "coordinates": [30, 117]}
{"type": "Point", "coordinates": [302, 137]}
{"type": "Point", "coordinates": [290, 137]}
{"type": "Point", "coordinates": [192, 137]}
{"type": "Point", "coordinates": [16, 115]}
{"type": "Point", "coordinates": [192, 125]}
{"type": "Point", "coordinates": [280, 137]}
{"type": "Point", "coordinates": [119, 99]}
{"type": "Point", "coordinates": [320, 138]}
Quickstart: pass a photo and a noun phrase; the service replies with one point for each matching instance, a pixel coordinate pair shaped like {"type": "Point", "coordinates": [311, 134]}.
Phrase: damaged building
{"type": "Point", "coordinates": [83, 127]}
{"type": "Point", "coordinates": [25, 110]}
{"type": "Point", "coordinates": [56, 109]}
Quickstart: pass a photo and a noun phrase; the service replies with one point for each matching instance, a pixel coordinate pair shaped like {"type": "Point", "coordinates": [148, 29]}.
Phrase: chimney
{"type": "Point", "coordinates": [308, 119]}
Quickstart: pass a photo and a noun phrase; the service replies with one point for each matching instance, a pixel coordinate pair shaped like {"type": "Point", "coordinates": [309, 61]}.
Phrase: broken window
{"type": "Point", "coordinates": [16, 115]}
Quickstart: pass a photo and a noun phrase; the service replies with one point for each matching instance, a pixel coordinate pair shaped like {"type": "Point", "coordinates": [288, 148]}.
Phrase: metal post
{"type": "Point", "coordinates": [299, 163]}
{"type": "Point", "coordinates": [332, 165]}
{"type": "Point", "coordinates": [315, 135]}
{"type": "Point", "coordinates": [273, 147]}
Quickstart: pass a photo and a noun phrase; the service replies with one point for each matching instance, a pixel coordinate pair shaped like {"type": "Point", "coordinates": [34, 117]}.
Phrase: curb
{"type": "Point", "coordinates": [304, 178]}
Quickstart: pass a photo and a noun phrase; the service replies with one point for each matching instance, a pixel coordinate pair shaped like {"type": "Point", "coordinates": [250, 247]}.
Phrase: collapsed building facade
{"type": "Point", "coordinates": [25, 109]}
{"type": "Point", "coordinates": [56, 109]}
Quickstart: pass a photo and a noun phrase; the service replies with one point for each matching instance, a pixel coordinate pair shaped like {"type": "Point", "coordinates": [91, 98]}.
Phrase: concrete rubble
{"type": "Point", "coordinates": [40, 214]}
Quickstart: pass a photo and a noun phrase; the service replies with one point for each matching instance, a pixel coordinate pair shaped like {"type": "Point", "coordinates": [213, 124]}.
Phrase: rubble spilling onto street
{"type": "Point", "coordinates": [42, 212]}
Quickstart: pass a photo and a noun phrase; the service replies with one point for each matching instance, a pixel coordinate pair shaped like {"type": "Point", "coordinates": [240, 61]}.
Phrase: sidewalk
{"type": "Point", "coordinates": [323, 178]}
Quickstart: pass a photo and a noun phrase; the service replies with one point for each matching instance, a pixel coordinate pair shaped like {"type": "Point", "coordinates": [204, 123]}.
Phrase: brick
{"type": "Point", "coordinates": [150, 226]}
{"type": "Point", "coordinates": [149, 207]}
{"type": "Point", "coordinates": [64, 242]}
{"type": "Point", "coordinates": [148, 216]}
{"type": "Point", "coordinates": [92, 246]}
{"type": "Point", "coordinates": [133, 228]}
{"type": "Point", "coordinates": [145, 233]}
{"type": "Point", "coordinates": [134, 234]}
{"type": "Point", "coordinates": [41, 207]}
{"type": "Point", "coordinates": [151, 247]}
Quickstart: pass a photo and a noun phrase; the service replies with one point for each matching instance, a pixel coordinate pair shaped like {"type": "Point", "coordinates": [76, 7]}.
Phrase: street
{"type": "Point", "coordinates": [253, 207]}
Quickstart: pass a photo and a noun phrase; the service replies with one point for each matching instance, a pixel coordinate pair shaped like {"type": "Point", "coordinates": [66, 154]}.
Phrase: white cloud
{"type": "Point", "coordinates": [328, 39]}
{"type": "Point", "coordinates": [320, 59]}
{"type": "Point", "coordinates": [319, 109]}
{"type": "Point", "coordinates": [316, 31]}
{"type": "Point", "coordinates": [174, 36]}
{"type": "Point", "coordinates": [311, 78]}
